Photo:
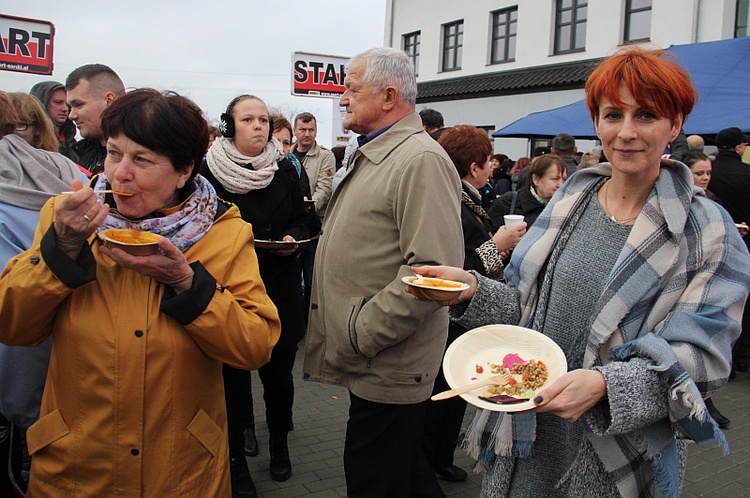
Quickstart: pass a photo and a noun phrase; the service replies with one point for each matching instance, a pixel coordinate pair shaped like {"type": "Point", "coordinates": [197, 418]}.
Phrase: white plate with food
{"type": "Point", "coordinates": [533, 360]}
{"type": "Point", "coordinates": [433, 283]}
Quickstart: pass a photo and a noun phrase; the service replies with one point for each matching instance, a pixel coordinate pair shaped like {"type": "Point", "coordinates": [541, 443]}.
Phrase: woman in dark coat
{"type": "Point", "coordinates": [546, 174]}
{"type": "Point", "coordinates": [248, 168]}
{"type": "Point", "coordinates": [469, 149]}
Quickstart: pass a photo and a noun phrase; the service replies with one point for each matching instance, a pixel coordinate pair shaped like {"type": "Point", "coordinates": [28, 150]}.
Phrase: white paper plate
{"type": "Point", "coordinates": [412, 280]}
{"type": "Point", "coordinates": [490, 344]}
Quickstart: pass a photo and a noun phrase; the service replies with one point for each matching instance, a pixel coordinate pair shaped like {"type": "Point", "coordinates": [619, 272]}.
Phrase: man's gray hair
{"type": "Point", "coordinates": [389, 67]}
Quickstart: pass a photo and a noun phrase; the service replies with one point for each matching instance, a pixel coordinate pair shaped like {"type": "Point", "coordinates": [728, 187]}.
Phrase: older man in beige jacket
{"type": "Point", "coordinates": [397, 207]}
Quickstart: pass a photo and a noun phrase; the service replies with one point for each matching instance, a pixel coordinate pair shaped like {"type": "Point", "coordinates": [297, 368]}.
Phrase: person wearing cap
{"type": "Point", "coordinates": [730, 181]}
{"type": "Point", "coordinates": [52, 95]}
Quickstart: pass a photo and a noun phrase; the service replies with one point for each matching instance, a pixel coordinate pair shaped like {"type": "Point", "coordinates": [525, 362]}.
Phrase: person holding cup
{"type": "Point", "coordinates": [546, 174]}
{"type": "Point", "coordinates": [469, 148]}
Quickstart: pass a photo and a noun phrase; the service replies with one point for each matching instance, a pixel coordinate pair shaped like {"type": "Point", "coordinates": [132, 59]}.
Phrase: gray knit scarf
{"type": "Point", "coordinates": [30, 176]}
{"type": "Point", "coordinates": [238, 173]}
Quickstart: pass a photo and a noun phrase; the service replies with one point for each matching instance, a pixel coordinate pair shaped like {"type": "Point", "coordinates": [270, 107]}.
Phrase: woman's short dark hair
{"type": "Point", "coordinates": [693, 157]}
{"type": "Point", "coordinates": [466, 144]}
{"type": "Point", "coordinates": [165, 122]}
{"type": "Point", "coordinates": [542, 163]}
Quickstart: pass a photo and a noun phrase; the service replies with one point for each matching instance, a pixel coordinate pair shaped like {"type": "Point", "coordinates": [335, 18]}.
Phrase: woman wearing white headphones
{"type": "Point", "coordinates": [247, 167]}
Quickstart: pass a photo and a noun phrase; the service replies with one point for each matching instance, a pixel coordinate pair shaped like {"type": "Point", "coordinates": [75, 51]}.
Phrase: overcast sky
{"type": "Point", "coordinates": [209, 50]}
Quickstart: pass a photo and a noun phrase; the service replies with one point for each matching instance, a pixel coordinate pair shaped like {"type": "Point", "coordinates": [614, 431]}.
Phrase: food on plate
{"type": "Point", "coordinates": [526, 377]}
{"type": "Point", "coordinates": [503, 399]}
{"type": "Point", "coordinates": [436, 282]}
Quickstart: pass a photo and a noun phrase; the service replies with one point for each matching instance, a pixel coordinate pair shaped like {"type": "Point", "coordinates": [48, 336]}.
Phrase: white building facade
{"type": "Point", "coordinates": [491, 62]}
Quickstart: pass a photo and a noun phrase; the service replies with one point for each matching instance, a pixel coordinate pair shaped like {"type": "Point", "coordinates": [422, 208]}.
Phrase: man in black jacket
{"type": "Point", "coordinates": [730, 182]}
{"type": "Point", "coordinates": [91, 88]}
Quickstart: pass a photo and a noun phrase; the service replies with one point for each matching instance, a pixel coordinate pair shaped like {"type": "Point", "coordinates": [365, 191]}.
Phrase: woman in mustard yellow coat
{"type": "Point", "coordinates": [134, 402]}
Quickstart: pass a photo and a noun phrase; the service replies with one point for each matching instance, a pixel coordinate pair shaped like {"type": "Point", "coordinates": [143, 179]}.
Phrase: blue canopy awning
{"type": "Point", "coordinates": [720, 71]}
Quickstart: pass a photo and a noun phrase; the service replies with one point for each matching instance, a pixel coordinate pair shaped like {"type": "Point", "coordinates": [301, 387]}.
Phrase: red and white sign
{"type": "Point", "coordinates": [26, 45]}
{"type": "Point", "coordinates": [315, 75]}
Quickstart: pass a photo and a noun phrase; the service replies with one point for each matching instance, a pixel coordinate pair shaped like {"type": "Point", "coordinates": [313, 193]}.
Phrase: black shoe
{"type": "Point", "coordinates": [452, 474]}
{"type": "Point", "coordinates": [281, 466]}
{"type": "Point", "coordinates": [251, 442]}
{"type": "Point", "coordinates": [242, 483]}
{"type": "Point", "coordinates": [720, 419]}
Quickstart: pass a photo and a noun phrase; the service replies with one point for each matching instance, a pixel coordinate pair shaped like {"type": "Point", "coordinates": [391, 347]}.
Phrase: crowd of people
{"type": "Point", "coordinates": [131, 374]}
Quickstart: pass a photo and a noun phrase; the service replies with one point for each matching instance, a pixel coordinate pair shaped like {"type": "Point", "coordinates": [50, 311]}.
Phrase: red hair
{"type": "Point", "coordinates": [658, 84]}
{"type": "Point", "coordinates": [465, 145]}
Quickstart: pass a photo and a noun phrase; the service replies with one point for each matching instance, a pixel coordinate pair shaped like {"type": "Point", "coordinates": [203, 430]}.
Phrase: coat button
{"type": "Point", "coordinates": [139, 333]}
{"type": "Point", "coordinates": [134, 452]}
{"type": "Point", "coordinates": [267, 227]}
{"type": "Point", "coordinates": [34, 260]}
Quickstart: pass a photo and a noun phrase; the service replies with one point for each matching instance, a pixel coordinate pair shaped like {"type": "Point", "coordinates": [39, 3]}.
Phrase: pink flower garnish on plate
{"type": "Point", "coordinates": [512, 359]}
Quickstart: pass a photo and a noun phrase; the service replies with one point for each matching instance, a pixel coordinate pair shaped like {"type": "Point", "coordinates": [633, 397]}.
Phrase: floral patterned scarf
{"type": "Point", "coordinates": [183, 227]}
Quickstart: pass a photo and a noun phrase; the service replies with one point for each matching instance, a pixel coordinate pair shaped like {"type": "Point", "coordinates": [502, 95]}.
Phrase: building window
{"type": "Point", "coordinates": [637, 20]}
{"type": "Point", "coordinates": [411, 47]}
{"type": "Point", "coordinates": [504, 30]}
{"type": "Point", "coordinates": [453, 41]}
{"type": "Point", "coordinates": [742, 19]}
{"type": "Point", "coordinates": [570, 26]}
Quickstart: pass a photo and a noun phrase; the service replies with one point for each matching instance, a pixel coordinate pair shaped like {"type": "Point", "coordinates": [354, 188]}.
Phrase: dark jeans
{"type": "Point", "coordinates": [278, 395]}
{"type": "Point", "coordinates": [383, 454]}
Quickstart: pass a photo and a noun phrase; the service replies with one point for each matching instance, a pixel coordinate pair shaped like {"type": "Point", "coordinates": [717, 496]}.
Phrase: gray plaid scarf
{"type": "Point", "coordinates": [674, 297]}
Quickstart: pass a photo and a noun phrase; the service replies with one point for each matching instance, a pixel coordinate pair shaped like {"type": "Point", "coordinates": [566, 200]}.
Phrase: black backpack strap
{"type": "Point", "coordinates": [513, 203]}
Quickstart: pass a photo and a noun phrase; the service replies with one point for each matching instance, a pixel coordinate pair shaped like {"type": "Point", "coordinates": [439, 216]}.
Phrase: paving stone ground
{"type": "Point", "coordinates": [316, 447]}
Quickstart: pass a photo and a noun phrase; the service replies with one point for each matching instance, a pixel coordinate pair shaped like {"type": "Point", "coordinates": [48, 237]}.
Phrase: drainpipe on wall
{"type": "Point", "coordinates": [389, 24]}
{"type": "Point", "coordinates": [696, 13]}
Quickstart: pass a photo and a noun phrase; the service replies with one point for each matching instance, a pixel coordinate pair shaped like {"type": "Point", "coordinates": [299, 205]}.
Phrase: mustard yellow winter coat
{"type": "Point", "coordinates": [134, 402]}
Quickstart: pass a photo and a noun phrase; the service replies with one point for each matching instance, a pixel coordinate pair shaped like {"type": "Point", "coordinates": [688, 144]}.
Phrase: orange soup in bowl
{"type": "Point", "coordinates": [133, 242]}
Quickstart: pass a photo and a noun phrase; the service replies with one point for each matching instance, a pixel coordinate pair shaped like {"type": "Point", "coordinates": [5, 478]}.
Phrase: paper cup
{"type": "Point", "coordinates": [512, 220]}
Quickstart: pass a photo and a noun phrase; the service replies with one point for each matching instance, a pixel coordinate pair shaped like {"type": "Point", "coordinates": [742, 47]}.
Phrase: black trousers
{"type": "Point", "coordinates": [444, 419]}
{"type": "Point", "coordinates": [383, 454]}
{"type": "Point", "coordinates": [278, 395]}
{"type": "Point", "coordinates": [443, 423]}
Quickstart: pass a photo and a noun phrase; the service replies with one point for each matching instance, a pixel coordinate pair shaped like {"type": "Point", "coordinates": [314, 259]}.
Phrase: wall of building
{"type": "Point", "coordinates": [673, 22]}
